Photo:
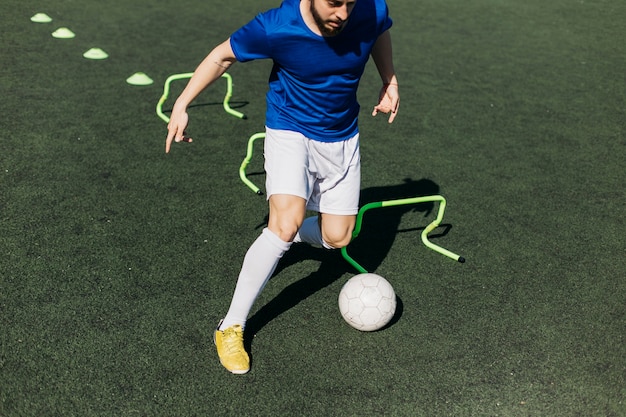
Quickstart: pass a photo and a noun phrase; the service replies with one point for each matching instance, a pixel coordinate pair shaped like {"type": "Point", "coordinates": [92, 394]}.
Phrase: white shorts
{"type": "Point", "coordinates": [326, 174]}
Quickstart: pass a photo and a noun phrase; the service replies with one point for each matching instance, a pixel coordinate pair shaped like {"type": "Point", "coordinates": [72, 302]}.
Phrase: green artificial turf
{"type": "Point", "coordinates": [117, 261]}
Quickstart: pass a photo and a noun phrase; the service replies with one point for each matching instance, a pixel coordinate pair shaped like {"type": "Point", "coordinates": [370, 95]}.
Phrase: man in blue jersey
{"type": "Point", "coordinates": [319, 49]}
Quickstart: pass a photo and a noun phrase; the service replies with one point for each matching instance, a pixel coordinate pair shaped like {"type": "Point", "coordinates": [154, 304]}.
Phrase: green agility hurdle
{"type": "Point", "coordinates": [225, 103]}
{"type": "Point", "coordinates": [246, 161]}
{"type": "Point", "coordinates": [400, 202]}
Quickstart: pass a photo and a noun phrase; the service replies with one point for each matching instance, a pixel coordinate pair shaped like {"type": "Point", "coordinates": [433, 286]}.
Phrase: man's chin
{"type": "Point", "coordinates": [331, 30]}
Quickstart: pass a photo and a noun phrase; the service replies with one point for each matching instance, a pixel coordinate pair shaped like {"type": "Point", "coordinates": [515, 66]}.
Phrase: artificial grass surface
{"type": "Point", "coordinates": [117, 260]}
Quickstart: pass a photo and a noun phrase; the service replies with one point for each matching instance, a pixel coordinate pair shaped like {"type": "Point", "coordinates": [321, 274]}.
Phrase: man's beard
{"type": "Point", "coordinates": [321, 23]}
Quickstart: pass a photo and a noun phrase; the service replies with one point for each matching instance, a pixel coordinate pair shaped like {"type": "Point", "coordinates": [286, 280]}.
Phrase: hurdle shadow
{"type": "Point", "coordinates": [380, 227]}
{"type": "Point", "coordinates": [233, 105]}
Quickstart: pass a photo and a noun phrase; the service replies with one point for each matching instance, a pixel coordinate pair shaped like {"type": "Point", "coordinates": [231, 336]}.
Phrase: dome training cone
{"type": "Point", "coordinates": [139, 78]}
{"type": "Point", "coordinates": [63, 33]}
{"type": "Point", "coordinates": [96, 53]}
{"type": "Point", "coordinates": [41, 18]}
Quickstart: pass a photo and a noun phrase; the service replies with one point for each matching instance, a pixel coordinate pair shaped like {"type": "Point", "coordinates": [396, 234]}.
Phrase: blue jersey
{"type": "Point", "coordinates": [314, 80]}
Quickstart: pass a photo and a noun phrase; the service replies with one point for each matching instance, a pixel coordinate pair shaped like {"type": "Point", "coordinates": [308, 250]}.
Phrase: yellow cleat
{"type": "Point", "coordinates": [232, 354]}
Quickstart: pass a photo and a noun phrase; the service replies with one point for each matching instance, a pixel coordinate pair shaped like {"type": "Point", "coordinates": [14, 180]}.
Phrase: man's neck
{"type": "Point", "coordinates": [305, 11]}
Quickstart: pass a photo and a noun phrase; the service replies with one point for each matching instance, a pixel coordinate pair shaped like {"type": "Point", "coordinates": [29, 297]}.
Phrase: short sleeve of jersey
{"type": "Point", "coordinates": [250, 41]}
{"type": "Point", "coordinates": [386, 23]}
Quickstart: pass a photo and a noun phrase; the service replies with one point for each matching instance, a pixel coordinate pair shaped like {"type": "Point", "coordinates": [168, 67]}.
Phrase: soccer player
{"type": "Point", "coordinates": [319, 50]}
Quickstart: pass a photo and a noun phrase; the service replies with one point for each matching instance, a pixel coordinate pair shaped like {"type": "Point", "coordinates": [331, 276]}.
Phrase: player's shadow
{"type": "Point", "coordinates": [369, 249]}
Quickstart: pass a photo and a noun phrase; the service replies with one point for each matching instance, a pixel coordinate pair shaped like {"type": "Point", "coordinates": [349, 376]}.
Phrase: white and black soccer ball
{"type": "Point", "coordinates": [367, 302]}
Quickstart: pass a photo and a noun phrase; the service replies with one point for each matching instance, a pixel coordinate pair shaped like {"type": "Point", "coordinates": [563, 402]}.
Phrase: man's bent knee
{"type": "Point", "coordinates": [285, 229]}
{"type": "Point", "coordinates": [337, 230]}
{"type": "Point", "coordinates": [335, 243]}
{"type": "Point", "coordinates": [286, 215]}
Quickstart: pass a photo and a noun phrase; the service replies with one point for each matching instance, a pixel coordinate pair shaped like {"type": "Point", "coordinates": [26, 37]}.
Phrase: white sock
{"type": "Point", "coordinates": [258, 266]}
{"type": "Point", "coordinates": [311, 233]}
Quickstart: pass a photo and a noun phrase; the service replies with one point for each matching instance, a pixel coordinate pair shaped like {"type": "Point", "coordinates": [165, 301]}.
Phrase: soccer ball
{"type": "Point", "coordinates": [367, 302]}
